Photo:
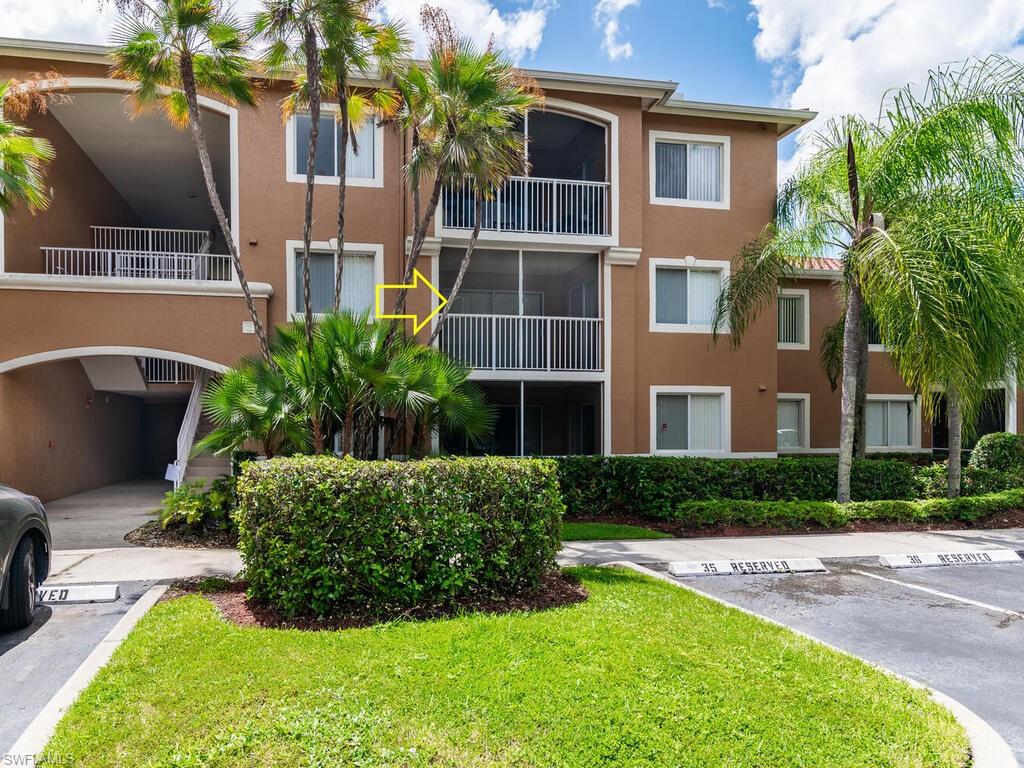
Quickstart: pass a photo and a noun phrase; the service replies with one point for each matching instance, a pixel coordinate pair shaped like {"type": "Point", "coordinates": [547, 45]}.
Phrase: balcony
{"type": "Point", "coordinates": [530, 205]}
{"type": "Point", "coordinates": [518, 310]}
{"type": "Point", "coordinates": [140, 253]}
{"type": "Point", "coordinates": [524, 343]}
{"type": "Point", "coordinates": [562, 194]}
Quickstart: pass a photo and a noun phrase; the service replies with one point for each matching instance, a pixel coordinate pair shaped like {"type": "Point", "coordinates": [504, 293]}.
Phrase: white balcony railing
{"type": "Point", "coordinates": [145, 265]}
{"type": "Point", "coordinates": [158, 370]}
{"type": "Point", "coordinates": [151, 239]}
{"type": "Point", "coordinates": [532, 205]}
{"type": "Point", "coordinates": [524, 342]}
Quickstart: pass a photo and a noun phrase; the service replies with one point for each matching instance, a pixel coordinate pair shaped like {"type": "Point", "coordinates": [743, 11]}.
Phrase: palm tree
{"type": "Point", "coordinates": [173, 49]}
{"type": "Point", "coordinates": [848, 199]}
{"type": "Point", "coordinates": [356, 44]}
{"type": "Point", "coordinates": [486, 98]}
{"type": "Point", "coordinates": [462, 110]}
{"type": "Point", "coordinates": [23, 162]}
{"type": "Point", "coordinates": [253, 403]}
{"type": "Point", "coordinates": [293, 29]}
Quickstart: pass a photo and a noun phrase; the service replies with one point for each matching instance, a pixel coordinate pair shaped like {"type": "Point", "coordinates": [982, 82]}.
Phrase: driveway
{"type": "Point", "coordinates": [100, 518]}
{"type": "Point", "coordinates": [958, 629]}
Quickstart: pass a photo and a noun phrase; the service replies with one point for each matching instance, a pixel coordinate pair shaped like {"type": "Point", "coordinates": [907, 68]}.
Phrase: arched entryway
{"type": "Point", "coordinates": [78, 419]}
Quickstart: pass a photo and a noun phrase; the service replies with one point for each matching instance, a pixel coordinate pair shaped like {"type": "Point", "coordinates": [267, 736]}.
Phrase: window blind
{"type": "Point", "coordinates": [689, 422]}
{"type": "Point", "coordinates": [670, 297]}
{"type": "Point", "coordinates": [357, 283]}
{"type": "Point", "coordinates": [688, 171]}
{"type": "Point", "coordinates": [791, 320]}
{"type": "Point", "coordinates": [357, 166]}
{"type": "Point", "coordinates": [789, 424]}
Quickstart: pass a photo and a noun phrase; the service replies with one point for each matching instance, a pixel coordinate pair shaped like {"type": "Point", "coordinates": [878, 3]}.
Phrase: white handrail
{"type": "Point", "coordinates": [524, 342]}
{"type": "Point", "coordinates": [189, 424]}
{"type": "Point", "coordinates": [139, 265]}
{"type": "Point", "coordinates": [159, 370]}
{"type": "Point", "coordinates": [150, 239]}
{"type": "Point", "coordinates": [532, 204]}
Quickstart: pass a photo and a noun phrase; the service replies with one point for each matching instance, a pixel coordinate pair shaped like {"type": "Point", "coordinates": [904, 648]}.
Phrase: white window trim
{"type": "Point", "coordinates": [300, 178]}
{"type": "Point", "coordinates": [690, 138]}
{"type": "Point", "coordinates": [688, 263]}
{"type": "Point", "coordinates": [805, 424]}
{"type": "Point", "coordinates": [806, 294]}
{"type": "Point", "coordinates": [915, 426]}
{"type": "Point", "coordinates": [352, 249]}
{"type": "Point", "coordinates": [725, 392]}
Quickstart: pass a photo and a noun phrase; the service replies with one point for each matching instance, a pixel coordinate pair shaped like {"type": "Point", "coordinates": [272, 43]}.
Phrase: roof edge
{"type": "Point", "coordinates": [787, 120]}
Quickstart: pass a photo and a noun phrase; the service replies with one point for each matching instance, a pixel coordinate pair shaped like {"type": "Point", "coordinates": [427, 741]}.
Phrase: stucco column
{"type": "Point", "coordinates": [620, 361]}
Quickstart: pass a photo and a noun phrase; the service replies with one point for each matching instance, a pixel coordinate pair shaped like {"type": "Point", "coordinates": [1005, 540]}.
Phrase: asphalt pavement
{"type": "Point", "coordinates": [957, 629]}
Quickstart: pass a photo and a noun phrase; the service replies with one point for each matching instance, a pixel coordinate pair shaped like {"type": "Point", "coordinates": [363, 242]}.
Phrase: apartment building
{"type": "Point", "coordinates": [585, 314]}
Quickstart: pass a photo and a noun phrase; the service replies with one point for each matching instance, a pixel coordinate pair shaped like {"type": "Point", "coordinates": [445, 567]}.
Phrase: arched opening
{"type": "Point", "coordinates": [128, 193]}
{"type": "Point", "coordinates": [81, 419]}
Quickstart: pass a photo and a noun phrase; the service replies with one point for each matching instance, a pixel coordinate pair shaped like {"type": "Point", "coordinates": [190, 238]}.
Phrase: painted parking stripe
{"type": "Point", "coordinates": [927, 559]}
{"type": "Point", "coordinates": [745, 567]}
{"type": "Point", "coordinates": [938, 593]}
{"type": "Point", "coordinates": [55, 594]}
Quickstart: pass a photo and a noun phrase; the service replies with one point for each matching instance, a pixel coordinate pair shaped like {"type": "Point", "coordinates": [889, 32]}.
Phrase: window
{"type": "Point", "coordinates": [684, 293]}
{"type": "Point", "coordinates": [873, 333]}
{"type": "Point", "coordinates": [357, 285]}
{"type": "Point", "coordinates": [690, 419]}
{"type": "Point", "coordinates": [360, 167]}
{"type": "Point", "coordinates": [791, 427]}
{"type": "Point", "coordinates": [891, 423]}
{"type": "Point", "coordinates": [793, 318]}
{"type": "Point", "coordinates": [689, 170]}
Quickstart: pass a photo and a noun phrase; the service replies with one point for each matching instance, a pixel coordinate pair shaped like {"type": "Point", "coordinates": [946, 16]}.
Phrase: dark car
{"type": "Point", "coordinates": [24, 556]}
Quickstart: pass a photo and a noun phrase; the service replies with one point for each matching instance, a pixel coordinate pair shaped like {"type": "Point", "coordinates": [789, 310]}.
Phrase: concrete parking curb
{"type": "Point", "coordinates": [34, 738]}
{"type": "Point", "coordinates": [988, 748]}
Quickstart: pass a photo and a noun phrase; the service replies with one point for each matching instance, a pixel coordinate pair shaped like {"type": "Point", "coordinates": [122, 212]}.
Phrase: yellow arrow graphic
{"type": "Point", "coordinates": [417, 278]}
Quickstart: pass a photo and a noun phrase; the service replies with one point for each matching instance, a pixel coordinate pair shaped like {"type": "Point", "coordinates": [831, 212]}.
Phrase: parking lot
{"type": "Point", "coordinates": [36, 661]}
{"type": "Point", "coordinates": [958, 629]}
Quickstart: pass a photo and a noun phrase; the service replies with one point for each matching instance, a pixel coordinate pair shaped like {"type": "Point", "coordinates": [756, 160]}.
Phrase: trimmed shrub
{"type": "Point", "coordinates": [829, 514]}
{"type": "Point", "coordinates": [320, 534]}
{"type": "Point", "coordinates": [976, 481]}
{"type": "Point", "coordinates": [653, 486]}
{"type": "Point", "coordinates": [1000, 451]}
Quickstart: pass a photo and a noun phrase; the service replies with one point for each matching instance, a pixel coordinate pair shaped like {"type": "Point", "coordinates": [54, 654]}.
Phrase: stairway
{"type": "Point", "coordinates": [205, 466]}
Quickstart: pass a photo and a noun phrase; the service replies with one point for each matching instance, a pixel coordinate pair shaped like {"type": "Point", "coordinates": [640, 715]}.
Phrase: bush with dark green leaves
{"type": "Point", "coordinates": [199, 507]}
{"type": "Point", "coordinates": [653, 486]}
{"type": "Point", "coordinates": [321, 535]}
{"type": "Point", "coordinates": [932, 484]}
{"type": "Point", "coordinates": [829, 514]}
{"type": "Point", "coordinates": [999, 451]}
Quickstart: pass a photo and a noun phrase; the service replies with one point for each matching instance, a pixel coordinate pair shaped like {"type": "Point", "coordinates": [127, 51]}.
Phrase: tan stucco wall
{"type": "Point", "coordinates": [208, 327]}
{"type": "Point", "coordinates": [58, 436]}
{"type": "Point", "coordinates": [800, 371]}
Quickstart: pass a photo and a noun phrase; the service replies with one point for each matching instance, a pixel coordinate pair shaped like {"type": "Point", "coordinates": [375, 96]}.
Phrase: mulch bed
{"type": "Point", "coordinates": [557, 590]}
{"type": "Point", "coordinates": [152, 535]}
{"type": "Point", "coordinates": [1011, 519]}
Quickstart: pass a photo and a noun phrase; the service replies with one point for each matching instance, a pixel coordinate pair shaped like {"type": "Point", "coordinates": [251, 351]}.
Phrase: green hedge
{"type": "Point", "coordinates": [999, 451]}
{"type": "Point", "coordinates": [319, 534]}
{"type": "Point", "coordinates": [829, 514]}
{"type": "Point", "coordinates": [652, 486]}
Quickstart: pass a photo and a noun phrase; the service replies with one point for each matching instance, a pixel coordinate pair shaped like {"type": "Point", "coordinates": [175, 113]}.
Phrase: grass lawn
{"type": "Point", "coordinates": [608, 532]}
{"type": "Point", "coordinates": [641, 674]}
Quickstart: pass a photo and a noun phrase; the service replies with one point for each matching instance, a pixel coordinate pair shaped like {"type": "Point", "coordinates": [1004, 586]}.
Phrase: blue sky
{"type": "Point", "coordinates": [832, 56]}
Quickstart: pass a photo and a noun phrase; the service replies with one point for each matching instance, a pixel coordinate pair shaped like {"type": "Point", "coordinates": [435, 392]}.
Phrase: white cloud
{"type": "Point", "coordinates": [841, 56]}
{"type": "Point", "coordinates": [517, 32]}
{"type": "Point", "coordinates": [606, 16]}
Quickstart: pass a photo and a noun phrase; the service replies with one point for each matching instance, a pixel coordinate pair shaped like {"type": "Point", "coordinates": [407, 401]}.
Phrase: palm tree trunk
{"type": "Point", "coordinates": [348, 439]}
{"type": "Point", "coordinates": [478, 208]}
{"type": "Point", "coordinates": [313, 85]}
{"type": "Point", "coordinates": [188, 87]}
{"type": "Point", "coordinates": [339, 249]}
{"type": "Point", "coordinates": [954, 417]}
{"type": "Point", "coordinates": [852, 332]}
{"type": "Point", "coordinates": [419, 235]}
{"type": "Point", "coordinates": [860, 443]}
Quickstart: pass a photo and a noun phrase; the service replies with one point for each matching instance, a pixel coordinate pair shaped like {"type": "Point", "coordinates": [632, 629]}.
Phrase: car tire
{"type": "Point", "coordinates": [21, 587]}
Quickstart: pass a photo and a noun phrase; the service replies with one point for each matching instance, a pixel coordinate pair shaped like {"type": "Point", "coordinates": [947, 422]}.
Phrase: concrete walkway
{"type": "Point", "coordinates": [824, 545]}
{"type": "Point", "coordinates": [101, 517]}
{"type": "Point", "coordinates": [151, 564]}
